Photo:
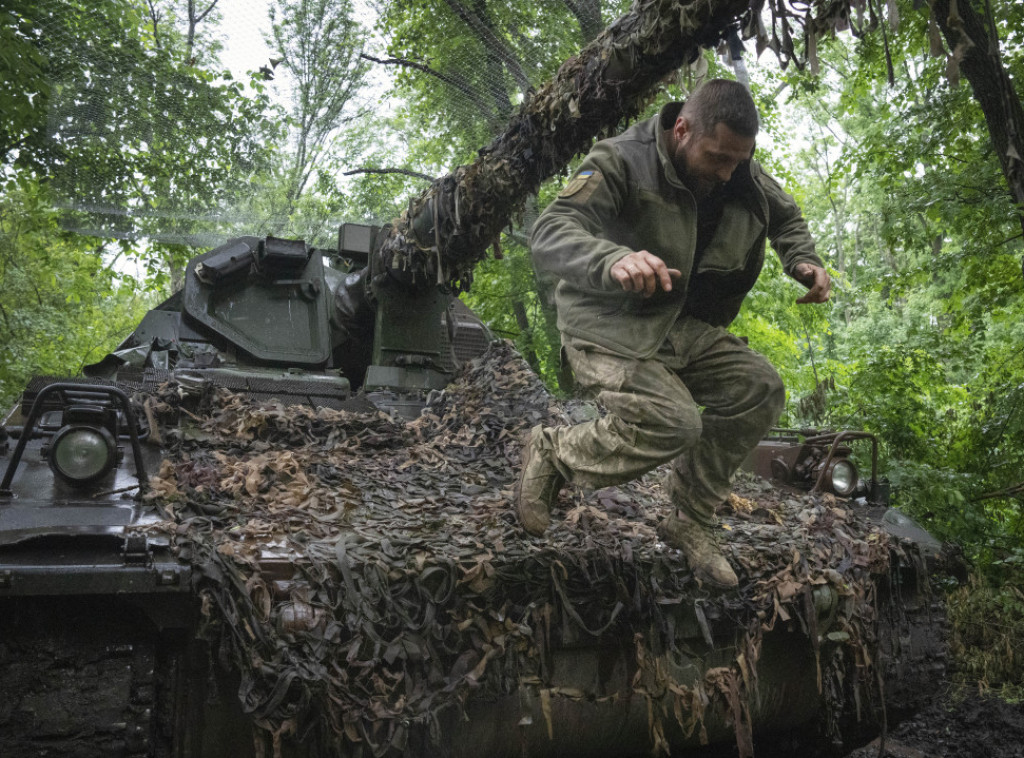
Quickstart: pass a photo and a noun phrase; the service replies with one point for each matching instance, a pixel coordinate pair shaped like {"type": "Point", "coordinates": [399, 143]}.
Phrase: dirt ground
{"type": "Point", "coordinates": [974, 727]}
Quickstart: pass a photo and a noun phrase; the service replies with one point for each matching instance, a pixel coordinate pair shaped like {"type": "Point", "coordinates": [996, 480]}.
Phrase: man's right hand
{"type": "Point", "coordinates": [642, 272]}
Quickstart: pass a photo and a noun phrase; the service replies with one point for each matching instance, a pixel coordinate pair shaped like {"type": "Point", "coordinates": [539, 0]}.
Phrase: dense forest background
{"type": "Point", "coordinates": [127, 145]}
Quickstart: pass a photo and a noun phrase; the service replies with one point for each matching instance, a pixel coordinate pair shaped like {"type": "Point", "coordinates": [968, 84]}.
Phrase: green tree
{"type": "Point", "coordinates": [319, 43]}
{"type": "Point", "coordinates": [905, 192]}
{"type": "Point", "coordinates": [145, 137]}
{"type": "Point", "coordinates": [115, 134]}
{"type": "Point", "coordinates": [62, 303]}
{"type": "Point", "coordinates": [22, 64]}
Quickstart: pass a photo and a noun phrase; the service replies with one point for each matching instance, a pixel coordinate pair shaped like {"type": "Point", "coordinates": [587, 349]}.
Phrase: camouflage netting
{"type": "Point", "coordinates": [408, 586]}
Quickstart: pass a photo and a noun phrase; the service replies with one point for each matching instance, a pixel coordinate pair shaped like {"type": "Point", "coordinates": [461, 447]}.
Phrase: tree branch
{"type": "Point", "coordinates": [487, 36]}
{"type": "Point", "coordinates": [193, 22]}
{"type": "Point", "coordinates": [205, 13]}
{"type": "Point", "coordinates": [154, 16]}
{"type": "Point", "coordinates": [975, 45]}
{"type": "Point", "coordinates": [455, 81]}
{"type": "Point", "coordinates": [1008, 240]}
{"type": "Point", "coordinates": [588, 16]}
{"type": "Point", "coordinates": [403, 171]}
{"type": "Point", "coordinates": [1014, 490]}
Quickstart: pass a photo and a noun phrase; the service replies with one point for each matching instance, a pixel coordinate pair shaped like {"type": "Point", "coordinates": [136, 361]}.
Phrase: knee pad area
{"type": "Point", "coordinates": [774, 393]}
{"type": "Point", "coordinates": [670, 439]}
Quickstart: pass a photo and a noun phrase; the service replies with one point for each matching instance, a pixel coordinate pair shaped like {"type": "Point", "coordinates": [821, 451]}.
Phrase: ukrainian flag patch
{"type": "Point", "coordinates": [588, 180]}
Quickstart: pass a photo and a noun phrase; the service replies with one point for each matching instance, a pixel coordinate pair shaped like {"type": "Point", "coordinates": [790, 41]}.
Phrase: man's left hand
{"type": "Point", "coordinates": [817, 281]}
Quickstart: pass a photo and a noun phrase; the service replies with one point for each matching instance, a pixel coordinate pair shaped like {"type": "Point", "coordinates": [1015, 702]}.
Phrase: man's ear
{"type": "Point", "coordinates": [681, 128]}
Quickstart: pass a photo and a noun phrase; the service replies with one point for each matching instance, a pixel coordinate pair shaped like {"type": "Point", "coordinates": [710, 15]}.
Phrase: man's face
{"type": "Point", "coordinates": [709, 160]}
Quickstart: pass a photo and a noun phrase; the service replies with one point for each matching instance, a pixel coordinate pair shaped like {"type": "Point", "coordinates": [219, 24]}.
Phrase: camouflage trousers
{"type": "Point", "coordinates": [703, 401]}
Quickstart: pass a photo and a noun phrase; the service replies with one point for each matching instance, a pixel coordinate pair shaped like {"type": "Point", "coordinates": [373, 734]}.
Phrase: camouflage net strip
{"type": "Point", "coordinates": [398, 583]}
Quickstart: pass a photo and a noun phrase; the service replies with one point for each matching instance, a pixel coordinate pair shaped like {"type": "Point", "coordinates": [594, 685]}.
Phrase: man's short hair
{"type": "Point", "coordinates": [721, 101]}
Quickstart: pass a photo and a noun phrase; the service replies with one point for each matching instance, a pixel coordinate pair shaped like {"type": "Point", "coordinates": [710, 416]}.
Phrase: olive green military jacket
{"type": "Point", "coordinates": [626, 196]}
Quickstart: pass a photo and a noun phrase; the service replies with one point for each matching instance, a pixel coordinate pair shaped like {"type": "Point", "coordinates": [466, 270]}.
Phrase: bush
{"type": "Point", "coordinates": [987, 636]}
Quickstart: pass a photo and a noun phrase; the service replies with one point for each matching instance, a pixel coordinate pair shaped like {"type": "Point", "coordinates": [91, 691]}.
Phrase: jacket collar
{"type": "Point", "coordinates": [661, 124]}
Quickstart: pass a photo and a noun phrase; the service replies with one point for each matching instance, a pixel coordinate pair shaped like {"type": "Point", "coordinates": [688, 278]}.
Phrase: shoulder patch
{"type": "Point", "coordinates": [589, 180]}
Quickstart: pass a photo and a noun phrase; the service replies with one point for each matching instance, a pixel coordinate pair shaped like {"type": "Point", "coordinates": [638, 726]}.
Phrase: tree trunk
{"type": "Point", "coordinates": [588, 16]}
{"type": "Point", "coordinates": [975, 45]}
{"type": "Point", "coordinates": [525, 331]}
{"type": "Point", "coordinates": [194, 19]}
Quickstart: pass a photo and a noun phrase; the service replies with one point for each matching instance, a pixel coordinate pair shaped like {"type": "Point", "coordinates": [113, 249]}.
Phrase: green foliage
{"type": "Point", "coordinates": [22, 71]}
{"type": "Point", "coordinates": [319, 43]}
{"type": "Point", "coordinates": [123, 128]}
{"type": "Point", "coordinates": [987, 639]}
{"type": "Point", "coordinates": [507, 296]}
{"type": "Point", "coordinates": [138, 131]}
{"type": "Point", "coordinates": [62, 304]}
{"type": "Point", "coordinates": [894, 391]}
{"type": "Point", "coordinates": [791, 336]}
{"type": "Point", "coordinates": [901, 187]}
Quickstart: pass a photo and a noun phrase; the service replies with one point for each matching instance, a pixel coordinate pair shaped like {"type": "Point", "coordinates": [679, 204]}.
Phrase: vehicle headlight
{"type": "Point", "coordinates": [80, 454]}
{"type": "Point", "coordinates": [842, 477]}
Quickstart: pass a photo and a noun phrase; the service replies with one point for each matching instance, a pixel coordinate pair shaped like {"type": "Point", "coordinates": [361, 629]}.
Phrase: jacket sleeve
{"type": "Point", "coordinates": [567, 239]}
{"type": "Point", "coordinates": [787, 228]}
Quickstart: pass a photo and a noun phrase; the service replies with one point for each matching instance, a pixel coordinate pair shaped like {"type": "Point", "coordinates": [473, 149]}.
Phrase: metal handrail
{"type": "Point", "coordinates": [37, 411]}
{"type": "Point", "coordinates": [841, 437]}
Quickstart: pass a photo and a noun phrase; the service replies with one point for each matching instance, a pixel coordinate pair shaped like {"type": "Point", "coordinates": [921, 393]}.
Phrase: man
{"type": "Point", "coordinates": [656, 241]}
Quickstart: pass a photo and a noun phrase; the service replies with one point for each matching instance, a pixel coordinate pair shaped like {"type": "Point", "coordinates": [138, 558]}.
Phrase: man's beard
{"type": "Point", "coordinates": [705, 189]}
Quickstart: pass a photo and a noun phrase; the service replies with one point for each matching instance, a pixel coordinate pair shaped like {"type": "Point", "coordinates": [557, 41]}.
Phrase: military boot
{"type": "Point", "coordinates": [702, 552]}
{"type": "Point", "coordinates": [538, 485]}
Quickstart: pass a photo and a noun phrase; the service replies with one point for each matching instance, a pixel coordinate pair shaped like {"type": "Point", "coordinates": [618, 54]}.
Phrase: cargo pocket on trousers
{"type": "Point", "coordinates": [601, 376]}
{"type": "Point", "coordinates": [597, 372]}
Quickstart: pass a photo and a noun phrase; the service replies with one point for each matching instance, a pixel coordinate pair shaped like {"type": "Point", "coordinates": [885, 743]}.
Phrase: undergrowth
{"type": "Point", "coordinates": [987, 637]}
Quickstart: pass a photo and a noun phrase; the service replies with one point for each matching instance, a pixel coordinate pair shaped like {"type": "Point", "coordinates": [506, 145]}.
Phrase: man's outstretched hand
{"type": "Point", "coordinates": [643, 272]}
{"type": "Point", "coordinates": [817, 281]}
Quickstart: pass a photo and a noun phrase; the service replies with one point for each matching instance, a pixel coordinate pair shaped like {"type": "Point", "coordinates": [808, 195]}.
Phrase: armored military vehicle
{"type": "Point", "coordinates": [98, 616]}
{"type": "Point", "coordinates": [276, 521]}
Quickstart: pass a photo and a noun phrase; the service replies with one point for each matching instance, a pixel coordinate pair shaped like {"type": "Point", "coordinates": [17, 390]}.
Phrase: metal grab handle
{"type": "Point", "coordinates": [37, 411]}
{"type": "Point", "coordinates": [841, 437]}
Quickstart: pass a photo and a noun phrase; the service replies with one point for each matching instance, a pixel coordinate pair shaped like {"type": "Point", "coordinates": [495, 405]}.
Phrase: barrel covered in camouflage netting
{"type": "Point", "coordinates": [368, 580]}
